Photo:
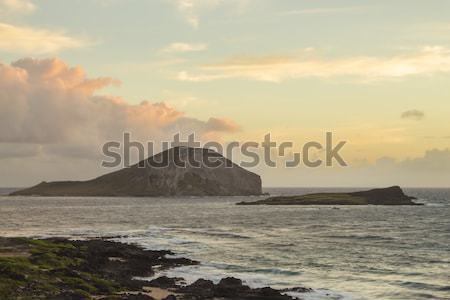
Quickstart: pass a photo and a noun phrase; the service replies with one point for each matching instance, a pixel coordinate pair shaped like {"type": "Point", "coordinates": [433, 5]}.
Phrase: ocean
{"type": "Point", "coordinates": [345, 252]}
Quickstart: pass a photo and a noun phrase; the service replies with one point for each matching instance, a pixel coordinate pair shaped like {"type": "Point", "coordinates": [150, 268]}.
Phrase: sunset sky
{"type": "Point", "coordinates": [74, 74]}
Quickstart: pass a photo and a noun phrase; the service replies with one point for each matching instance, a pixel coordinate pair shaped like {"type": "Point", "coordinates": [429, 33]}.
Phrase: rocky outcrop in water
{"type": "Point", "coordinates": [180, 171]}
{"type": "Point", "coordinates": [384, 196]}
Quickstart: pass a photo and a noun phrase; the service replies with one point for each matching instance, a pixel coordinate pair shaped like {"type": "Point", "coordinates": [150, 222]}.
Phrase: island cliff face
{"type": "Point", "coordinates": [149, 179]}
{"type": "Point", "coordinates": [384, 196]}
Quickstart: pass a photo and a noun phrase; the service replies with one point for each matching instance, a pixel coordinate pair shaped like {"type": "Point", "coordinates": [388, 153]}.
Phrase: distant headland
{"type": "Point", "coordinates": [221, 178]}
{"type": "Point", "coordinates": [383, 196]}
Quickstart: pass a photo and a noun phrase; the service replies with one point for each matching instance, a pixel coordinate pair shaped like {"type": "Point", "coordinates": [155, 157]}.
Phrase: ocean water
{"type": "Point", "coordinates": [345, 252]}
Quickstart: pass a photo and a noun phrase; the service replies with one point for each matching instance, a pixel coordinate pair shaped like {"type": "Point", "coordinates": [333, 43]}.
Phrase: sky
{"type": "Point", "coordinates": [75, 74]}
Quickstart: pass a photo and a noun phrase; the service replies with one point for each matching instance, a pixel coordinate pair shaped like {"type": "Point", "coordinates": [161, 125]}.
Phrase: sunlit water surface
{"type": "Point", "coordinates": [360, 252]}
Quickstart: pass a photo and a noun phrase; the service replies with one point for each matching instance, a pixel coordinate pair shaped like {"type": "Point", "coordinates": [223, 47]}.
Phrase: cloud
{"type": "Point", "coordinates": [413, 114]}
{"type": "Point", "coordinates": [19, 39]}
{"type": "Point", "coordinates": [428, 60]}
{"type": "Point", "coordinates": [193, 9]}
{"type": "Point", "coordinates": [29, 40]}
{"type": "Point", "coordinates": [433, 160]}
{"type": "Point", "coordinates": [431, 169]}
{"type": "Point", "coordinates": [24, 151]}
{"type": "Point", "coordinates": [8, 7]}
{"type": "Point", "coordinates": [322, 11]}
{"type": "Point", "coordinates": [184, 47]}
{"type": "Point", "coordinates": [186, 76]}
{"type": "Point", "coordinates": [225, 125]}
{"type": "Point", "coordinates": [48, 103]}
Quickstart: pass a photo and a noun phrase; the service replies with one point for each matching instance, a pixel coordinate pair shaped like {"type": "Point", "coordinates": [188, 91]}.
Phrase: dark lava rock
{"type": "Point", "coordinates": [62, 269]}
{"type": "Point", "coordinates": [165, 282]}
{"type": "Point", "coordinates": [298, 290]}
{"type": "Point", "coordinates": [229, 288]}
{"type": "Point", "coordinates": [59, 269]}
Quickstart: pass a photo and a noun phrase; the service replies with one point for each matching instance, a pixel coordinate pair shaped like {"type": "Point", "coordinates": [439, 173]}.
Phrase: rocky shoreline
{"type": "Point", "coordinates": [58, 269]}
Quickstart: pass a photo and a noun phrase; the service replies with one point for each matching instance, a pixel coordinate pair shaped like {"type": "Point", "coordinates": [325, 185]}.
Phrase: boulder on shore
{"type": "Point", "coordinates": [180, 171]}
{"type": "Point", "coordinates": [384, 196]}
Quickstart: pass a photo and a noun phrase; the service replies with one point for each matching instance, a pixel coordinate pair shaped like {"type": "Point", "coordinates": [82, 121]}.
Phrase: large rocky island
{"type": "Point", "coordinates": [384, 196]}
{"type": "Point", "coordinates": [180, 171]}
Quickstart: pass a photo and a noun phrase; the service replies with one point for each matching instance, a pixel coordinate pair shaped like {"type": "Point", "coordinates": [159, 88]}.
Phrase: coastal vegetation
{"type": "Point", "coordinates": [385, 196]}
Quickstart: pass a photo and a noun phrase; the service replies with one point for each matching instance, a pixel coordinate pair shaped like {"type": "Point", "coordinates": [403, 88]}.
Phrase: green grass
{"type": "Point", "coordinates": [49, 269]}
{"type": "Point", "coordinates": [317, 199]}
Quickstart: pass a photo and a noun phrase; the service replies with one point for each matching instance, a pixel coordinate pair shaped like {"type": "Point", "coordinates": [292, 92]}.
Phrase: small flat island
{"type": "Point", "coordinates": [383, 196]}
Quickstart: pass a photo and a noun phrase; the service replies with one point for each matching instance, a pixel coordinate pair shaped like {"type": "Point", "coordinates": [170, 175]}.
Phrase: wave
{"type": "Point", "coordinates": [323, 294]}
{"type": "Point", "coordinates": [362, 237]}
{"type": "Point", "coordinates": [254, 278]}
{"type": "Point", "coordinates": [425, 286]}
{"type": "Point", "coordinates": [214, 233]}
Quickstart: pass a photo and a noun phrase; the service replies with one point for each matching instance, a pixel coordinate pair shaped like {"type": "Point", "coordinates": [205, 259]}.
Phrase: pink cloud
{"type": "Point", "coordinates": [48, 102]}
